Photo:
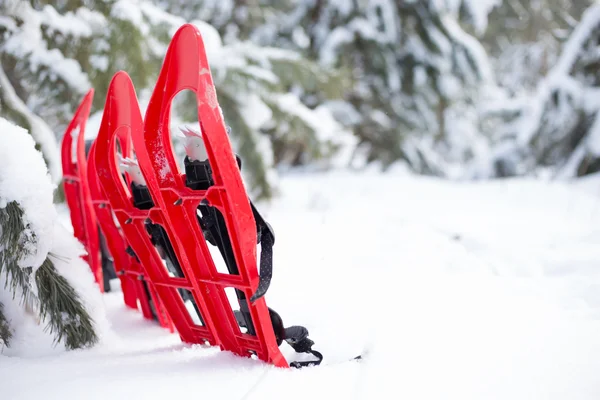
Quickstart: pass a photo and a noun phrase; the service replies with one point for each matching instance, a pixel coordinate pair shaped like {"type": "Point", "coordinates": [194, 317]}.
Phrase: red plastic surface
{"type": "Point", "coordinates": [77, 193]}
{"type": "Point", "coordinates": [114, 240]}
{"type": "Point", "coordinates": [124, 118]}
{"type": "Point", "coordinates": [128, 269]}
{"type": "Point", "coordinates": [186, 67]}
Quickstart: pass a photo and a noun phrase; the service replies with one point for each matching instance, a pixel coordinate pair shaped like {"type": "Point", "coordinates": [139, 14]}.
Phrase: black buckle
{"type": "Point", "coordinates": [297, 337]}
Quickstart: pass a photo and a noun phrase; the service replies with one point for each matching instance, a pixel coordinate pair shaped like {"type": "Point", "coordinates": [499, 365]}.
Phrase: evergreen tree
{"type": "Point", "coordinates": [269, 124]}
{"type": "Point", "coordinates": [280, 129]}
{"type": "Point", "coordinates": [51, 54]}
{"type": "Point", "coordinates": [27, 262]}
{"type": "Point", "coordinates": [524, 38]}
{"type": "Point", "coordinates": [52, 298]}
{"type": "Point", "coordinates": [415, 71]}
{"type": "Point", "coordinates": [557, 126]}
{"type": "Point", "coordinates": [5, 332]}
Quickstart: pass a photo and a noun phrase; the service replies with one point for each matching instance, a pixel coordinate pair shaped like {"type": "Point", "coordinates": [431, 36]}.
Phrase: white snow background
{"type": "Point", "coordinates": [450, 290]}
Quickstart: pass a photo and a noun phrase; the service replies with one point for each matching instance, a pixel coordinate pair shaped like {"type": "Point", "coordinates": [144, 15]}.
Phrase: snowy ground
{"type": "Point", "coordinates": [452, 290]}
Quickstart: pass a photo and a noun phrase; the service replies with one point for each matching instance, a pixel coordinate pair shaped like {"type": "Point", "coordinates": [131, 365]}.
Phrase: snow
{"type": "Point", "coordinates": [130, 11]}
{"type": "Point", "coordinates": [335, 40]}
{"type": "Point", "coordinates": [472, 46]}
{"type": "Point", "coordinates": [145, 16]}
{"type": "Point", "coordinates": [478, 10]}
{"type": "Point", "coordinates": [156, 16]}
{"type": "Point", "coordinates": [344, 7]}
{"type": "Point", "coordinates": [21, 168]}
{"type": "Point", "coordinates": [386, 11]}
{"type": "Point", "coordinates": [257, 113]}
{"type": "Point", "coordinates": [24, 178]}
{"type": "Point", "coordinates": [83, 23]}
{"type": "Point", "coordinates": [28, 42]}
{"type": "Point", "coordinates": [451, 290]}
{"type": "Point", "coordinates": [572, 93]}
{"type": "Point", "coordinates": [572, 48]}
{"type": "Point", "coordinates": [322, 122]}
{"type": "Point", "coordinates": [39, 129]}
{"type": "Point", "coordinates": [210, 37]}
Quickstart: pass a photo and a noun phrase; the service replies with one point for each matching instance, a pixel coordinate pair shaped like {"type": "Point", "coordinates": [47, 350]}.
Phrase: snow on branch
{"type": "Point", "coordinates": [40, 260]}
{"type": "Point", "coordinates": [477, 10]}
{"type": "Point", "coordinates": [81, 23]}
{"type": "Point", "coordinates": [475, 53]}
{"type": "Point", "coordinates": [590, 22]}
{"type": "Point", "coordinates": [20, 173]}
{"type": "Point", "coordinates": [40, 131]}
{"type": "Point", "coordinates": [28, 42]}
{"type": "Point", "coordinates": [560, 79]}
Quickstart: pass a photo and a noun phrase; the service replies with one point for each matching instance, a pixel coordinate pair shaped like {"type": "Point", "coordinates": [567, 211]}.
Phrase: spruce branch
{"type": "Point", "coordinates": [12, 248]}
{"type": "Point", "coordinates": [59, 302]}
{"type": "Point", "coordinates": [248, 148]}
{"type": "Point", "coordinates": [56, 298]}
{"type": "Point", "coordinates": [5, 332]}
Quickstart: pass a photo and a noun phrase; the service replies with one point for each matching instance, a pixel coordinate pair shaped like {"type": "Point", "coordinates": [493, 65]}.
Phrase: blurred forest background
{"type": "Point", "coordinates": [462, 89]}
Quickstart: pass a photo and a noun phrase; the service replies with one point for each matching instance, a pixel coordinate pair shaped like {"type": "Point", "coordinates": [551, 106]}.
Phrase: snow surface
{"type": "Point", "coordinates": [452, 291]}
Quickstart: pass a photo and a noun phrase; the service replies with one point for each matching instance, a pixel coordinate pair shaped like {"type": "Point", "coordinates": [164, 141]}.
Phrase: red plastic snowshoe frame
{"type": "Point", "coordinates": [76, 188]}
{"type": "Point", "coordinates": [115, 242]}
{"type": "Point", "coordinates": [121, 117]}
{"type": "Point", "coordinates": [171, 208]}
{"type": "Point", "coordinates": [134, 283]}
{"type": "Point", "coordinates": [175, 205]}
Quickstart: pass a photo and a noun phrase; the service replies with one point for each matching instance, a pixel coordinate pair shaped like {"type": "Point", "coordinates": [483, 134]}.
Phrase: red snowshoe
{"type": "Point", "coordinates": [93, 222]}
{"type": "Point", "coordinates": [166, 218]}
{"type": "Point", "coordinates": [134, 284]}
{"type": "Point", "coordinates": [76, 189]}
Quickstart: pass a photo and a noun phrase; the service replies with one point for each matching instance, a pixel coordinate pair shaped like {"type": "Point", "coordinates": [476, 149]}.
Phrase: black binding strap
{"type": "Point", "coordinates": [160, 239]}
{"type": "Point", "coordinates": [199, 177]}
{"type": "Point", "coordinates": [296, 336]}
{"type": "Point", "coordinates": [266, 238]}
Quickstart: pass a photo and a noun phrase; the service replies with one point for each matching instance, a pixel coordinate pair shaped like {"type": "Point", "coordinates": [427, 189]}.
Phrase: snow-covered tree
{"type": "Point", "coordinates": [414, 71]}
{"type": "Point", "coordinates": [52, 53]}
{"type": "Point", "coordinates": [42, 277]}
{"type": "Point", "coordinates": [233, 19]}
{"type": "Point", "coordinates": [529, 33]}
{"type": "Point", "coordinates": [269, 124]}
{"type": "Point", "coordinates": [558, 126]}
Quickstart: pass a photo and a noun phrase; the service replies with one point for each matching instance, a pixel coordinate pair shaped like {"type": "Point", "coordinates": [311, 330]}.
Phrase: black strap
{"type": "Point", "coordinates": [198, 176]}
{"type": "Point", "coordinates": [297, 337]}
{"type": "Point", "coordinates": [300, 364]}
{"type": "Point", "coordinates": [266, 238]}
{"type": "Point", "coordinates": [266, 264]}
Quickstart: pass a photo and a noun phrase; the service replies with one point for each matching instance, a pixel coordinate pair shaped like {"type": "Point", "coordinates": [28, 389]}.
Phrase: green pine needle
{"type": "Point", "coordinates": [13, 237]}
{"type": "Point", "coordinates": [59, 302]}
{"type": "Point", "coordinates": [5, 332]}
{"type": "Point", "coordinates": [56, 300]}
